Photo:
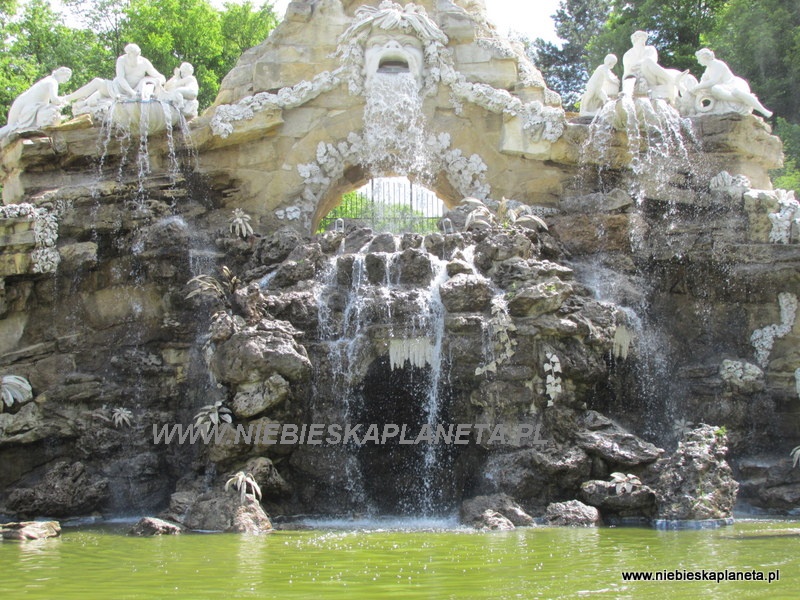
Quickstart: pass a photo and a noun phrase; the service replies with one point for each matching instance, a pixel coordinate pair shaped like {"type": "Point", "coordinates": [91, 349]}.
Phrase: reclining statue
{"type": "Point", "coordinates": [136, 79]}
{"type": "Point", "coordinates": [39, 106]}
{"type": "Point", "coordinates": [720, 91]}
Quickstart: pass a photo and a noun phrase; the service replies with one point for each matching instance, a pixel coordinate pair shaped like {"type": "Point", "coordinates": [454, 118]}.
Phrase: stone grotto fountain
{"type": "Point", "coordinates": [625, 281]}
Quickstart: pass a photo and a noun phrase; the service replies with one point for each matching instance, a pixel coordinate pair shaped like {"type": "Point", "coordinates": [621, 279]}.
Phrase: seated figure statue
{"type": "Point", "coordinates": [720, 91]}
{"type": "Point", "coordinates": [136, 79]}
{"type": "Point", "coordinates": [602, 86]}
{"type": "Point", "coordinates": [643, 75]}
{"type": "Point", "coordinates": [181, 90]}
{"type": "Point", "coordinates": [38, 106]}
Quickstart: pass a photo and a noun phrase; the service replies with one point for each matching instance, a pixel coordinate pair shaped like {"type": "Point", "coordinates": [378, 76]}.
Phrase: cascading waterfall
{"type": "Point", "coordinates": [394, 126]}
{"type": "Point", "coordinates": [410, 321]}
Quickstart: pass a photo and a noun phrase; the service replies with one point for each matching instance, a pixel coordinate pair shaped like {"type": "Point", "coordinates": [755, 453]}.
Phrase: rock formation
{"type": "Point", "coordinates": [637, 288]}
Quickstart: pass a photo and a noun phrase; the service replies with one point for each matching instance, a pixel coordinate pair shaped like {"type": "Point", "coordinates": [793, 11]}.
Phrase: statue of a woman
{"type": "Point", "coordinates": [721, 91]}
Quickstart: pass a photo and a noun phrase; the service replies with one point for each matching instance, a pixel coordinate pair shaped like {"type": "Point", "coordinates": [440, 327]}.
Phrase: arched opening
{"type": "Point", "coordinates": [401, 477]}
{"type": "Point", "coordinates": [387, 204]}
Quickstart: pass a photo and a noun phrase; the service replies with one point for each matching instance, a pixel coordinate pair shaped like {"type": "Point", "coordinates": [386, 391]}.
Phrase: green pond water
{"type": "Point", "coordinates": [391, 562]}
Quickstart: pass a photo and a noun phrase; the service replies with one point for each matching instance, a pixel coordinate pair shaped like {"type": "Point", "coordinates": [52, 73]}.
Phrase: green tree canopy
{"type": "Point", "coordinates": [566, 69]}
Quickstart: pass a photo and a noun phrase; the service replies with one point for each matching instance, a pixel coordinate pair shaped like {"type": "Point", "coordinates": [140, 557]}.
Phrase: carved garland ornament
{"type": "Point", "coordinates": [44, 257]}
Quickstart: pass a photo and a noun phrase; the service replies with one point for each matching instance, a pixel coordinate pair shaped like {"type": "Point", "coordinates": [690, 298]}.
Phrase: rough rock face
{"type": "Point", "coordinates": [696, 483]}
{"type": "Point", "coordinates": [66, 490]}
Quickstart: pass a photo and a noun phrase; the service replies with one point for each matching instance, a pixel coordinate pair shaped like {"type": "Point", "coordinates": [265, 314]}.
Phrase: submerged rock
{"type": "Point", "coordinates": [490, 520]}
{"type": "Point", "coordinates": [30, 530]}
{"type": "Point", "coordinates": [148, 526]}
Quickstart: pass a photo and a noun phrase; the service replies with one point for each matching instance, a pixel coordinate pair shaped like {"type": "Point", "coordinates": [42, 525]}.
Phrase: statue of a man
{"type": "Point", "coordinates": [642, 73]}
{"type": "Point", "coordinates": [719, 83]}
{"type": "Point", "coordinates": [136, 79]}
{"type": "Point", "coordinates": [602, 86]}
{"type": "Point", "coordinates": [38, 106]}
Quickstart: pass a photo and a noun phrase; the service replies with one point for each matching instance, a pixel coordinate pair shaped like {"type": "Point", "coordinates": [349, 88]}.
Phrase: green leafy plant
{"type": "Point", "coordinates": [624, 484]}
{"type": "Point", "coordinates": [795, 454]}
{"type": "Point", "coordinates": [213, 414]}
{"type": "Point", "coordinates": [243, 482]}
{"type": "Point", "coordinates": [14, 388]}
{"type": "Point", "coordinates": [240, 224]}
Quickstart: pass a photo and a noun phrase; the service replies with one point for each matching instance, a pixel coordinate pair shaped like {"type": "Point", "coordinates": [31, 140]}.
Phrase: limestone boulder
{"type": "Point", "coordinates": [257, 353]}
{"type": "Point", "coordinates": [536, 475]}
{"type": "Point", "coordinates": [223, 511]}
{"type": "Point", "coordinates": [540, 299]}
{"type": "Point", "coordinates": [696, 482]}
{"type": "Point", "coordinates": [255, 398]}
{"type": "Point", "coordinates": [603, 438]}
{"type": "Point", "coordinates": [466, 293]}
{"type": "Point", "coordinates": [572, 514]}
{"type": "Point", "coordinates": [490, 520]}
{"type": "Point", "coordinates": [474, 510]}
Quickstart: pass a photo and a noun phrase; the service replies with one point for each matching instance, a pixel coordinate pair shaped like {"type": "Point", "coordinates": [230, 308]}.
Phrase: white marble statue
{"type": "Point", "coordinates": [643, 76]}
{"type": "Point", "coordinates": [136, 79]}
{"type": "Point", "coordinates": [720, 91]}
{"type": "Point", "coordinates": [181, 90]}
{"type": "Point", "coordinates": [602, 86]}
{"type": "Point", "coordinates": [38, 106]}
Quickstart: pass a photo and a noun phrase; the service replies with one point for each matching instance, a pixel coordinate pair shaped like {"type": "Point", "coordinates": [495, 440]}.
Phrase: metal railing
{"type": "Point", "coordinates": [392, 204]}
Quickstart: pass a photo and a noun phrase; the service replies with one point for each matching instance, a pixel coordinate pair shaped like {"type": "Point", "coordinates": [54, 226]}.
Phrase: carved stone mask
{"type": "Point", "coordinates": [394, 52]}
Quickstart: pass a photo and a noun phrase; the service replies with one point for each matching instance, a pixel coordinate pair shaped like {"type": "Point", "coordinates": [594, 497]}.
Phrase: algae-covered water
{"type": "Point", "coordinates": [397, 560]}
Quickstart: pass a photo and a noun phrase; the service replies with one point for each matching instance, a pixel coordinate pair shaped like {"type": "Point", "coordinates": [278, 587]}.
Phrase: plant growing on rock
{"type": "Point", "coordinates": [795, 454]}
{"type": "Point", "coordinates": [552, 369]}
{"type": "Point", "coordinates": [624, 484]}
{"type": "Point", "coordinates": [500, 325]}
{"type": "Point", "coordinates": [213, 414]}
{"type": "Point", "coordinates": [121, 416]}
{"type": "Point", "coordinates": [243, 482]}
{"type": "Point", "coordinates": [240, 224]}
{"type": "Point", "coordinates": [14, 388]}
{"type": "Point", "coordinates": [211, 287]}
{"type": "Point", "coordinates": [681, 427]}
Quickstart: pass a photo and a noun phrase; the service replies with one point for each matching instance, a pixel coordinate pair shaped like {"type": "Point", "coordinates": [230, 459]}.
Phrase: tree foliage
{"type": "Point", "coordinates": [761, 42]}
{"type": "Point", "coordinates": [677, 29]}
{"type": "Point", "coordinates": [567, 68]}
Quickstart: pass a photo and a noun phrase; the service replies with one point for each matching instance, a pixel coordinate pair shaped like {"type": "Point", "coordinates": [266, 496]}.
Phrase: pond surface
{"type": "Point", "coordinates": [400, 560]}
